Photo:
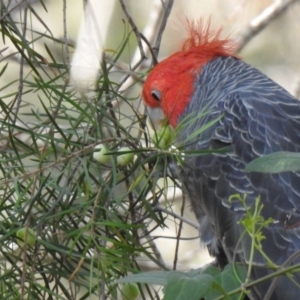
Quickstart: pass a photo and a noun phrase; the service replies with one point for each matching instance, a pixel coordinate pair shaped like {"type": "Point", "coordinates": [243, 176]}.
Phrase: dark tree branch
{"type": "Point", "coordinates": [134, 28]}
{"type": "Point", "coordinates": [167, 10]}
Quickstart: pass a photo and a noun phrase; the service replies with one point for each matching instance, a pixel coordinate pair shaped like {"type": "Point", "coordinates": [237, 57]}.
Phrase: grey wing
{"type": "Point", "coordinates": [255, 125]}
{"type": "Point", "coordinates": [257, 117]}
{"type": "Point", "coordinates": [252, 125]}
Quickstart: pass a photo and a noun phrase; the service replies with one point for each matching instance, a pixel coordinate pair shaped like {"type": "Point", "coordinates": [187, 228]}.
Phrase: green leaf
{"type": "Point", "coordinates": [281, 161]}
{"type": "Point", "coordinates": [213, 271]}
{"type": "Point", "coordinates": [228, 280]}
{"type": "Point", "coordinates": [155, 277]}
{"type": "Point", "coordinates": [180, 286]}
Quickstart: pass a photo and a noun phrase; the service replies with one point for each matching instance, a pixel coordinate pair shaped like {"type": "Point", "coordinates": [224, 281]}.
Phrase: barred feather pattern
{"type": "Point", "coordinates": [257, 117]}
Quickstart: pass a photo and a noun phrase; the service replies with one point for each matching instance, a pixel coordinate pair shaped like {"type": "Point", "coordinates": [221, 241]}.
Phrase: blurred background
{"type": "Point", "coordinates": [273, 50]}
{"type": "Point", "coordinates": [53, 30]}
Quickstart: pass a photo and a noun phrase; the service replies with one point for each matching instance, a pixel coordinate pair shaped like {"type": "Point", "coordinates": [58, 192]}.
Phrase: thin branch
{"type": "Point", "coordinates": [134, 28]}
{"type": "Point", "coordinates": [39, 19]}
{"type": "Point", "coordinates": [86, 149]}
{"type": "Point", "coordinates": [151, 32]}
{"type": "Point", "coordinates": [158, 208]}
{"type": "Point", "coordinates": [179, 233]}
{"type": "Point", "coordinates": [20, 89]}
{"type": "Point", "coordinates": [261, 21]}
{"type": "Point", "coordinates": [153, 246]}
{"type": "Point", "coordinates": [66, 33]}
{"type": "Point", "coordinates": [167, 11]}
{"type": "Point", "coordinates": [253, 283]}
{"type": "Point", "coordinates": [275, 280]}
{"type": "Point", "coordinates": [11, 10]}
{"type": "Point", "coordinates": [154, 58]}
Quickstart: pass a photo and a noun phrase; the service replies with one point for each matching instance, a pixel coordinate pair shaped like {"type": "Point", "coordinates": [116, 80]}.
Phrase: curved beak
{"type": "Point", "coordinates": [156, 116]}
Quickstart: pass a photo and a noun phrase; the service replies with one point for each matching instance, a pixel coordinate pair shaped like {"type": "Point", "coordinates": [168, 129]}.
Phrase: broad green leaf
{"type": "Point", "coordinates": [228, 280]}
{"type": "Point", "coordinates": [183, 287]}
{"type": "Point", "coordinates": [155, 277]}
{"type": "Point", "coordinates": [282, 161]}
{"type": "Point", "coordinates": [213, 271]}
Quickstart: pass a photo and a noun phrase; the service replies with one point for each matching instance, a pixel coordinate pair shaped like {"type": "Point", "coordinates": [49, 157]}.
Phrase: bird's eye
{"type": "Point", "coordinates": [156, 95]}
